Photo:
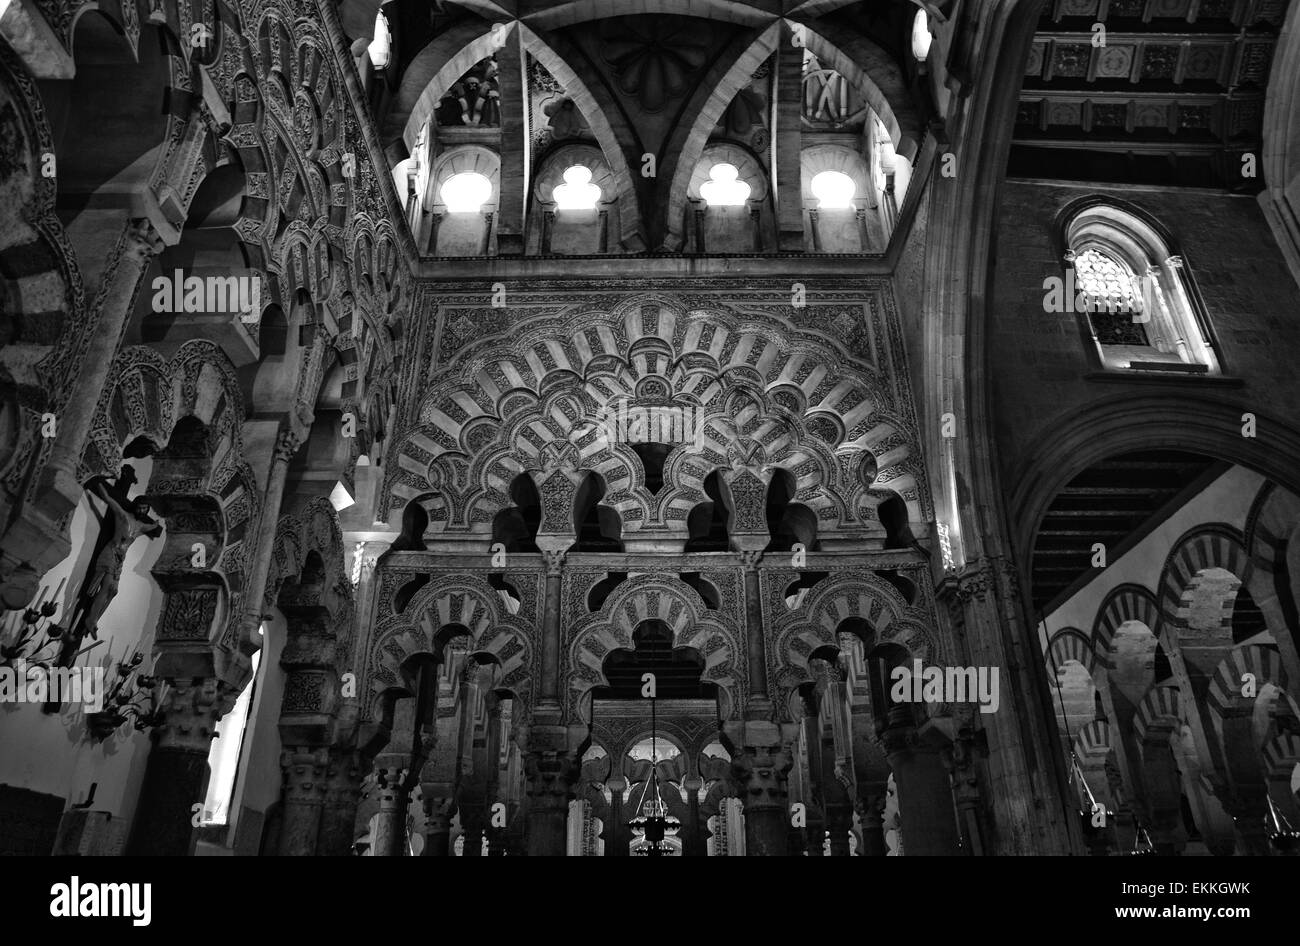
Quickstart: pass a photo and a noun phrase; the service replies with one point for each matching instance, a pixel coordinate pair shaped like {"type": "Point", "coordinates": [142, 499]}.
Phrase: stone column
{"type": "Point", "coordinates": [437, 826]}
{"type": "Point", "coordinates": [788, 174]}
{"type": "Point", "coordinates": [176, 775]}
{"type": "Point", "coordinates": [693, 843]}
{"type": "Point", "coordinates": [473, 821]}
{"type": "Point", "coordinates": [839, 822]}
{"type": "Point", "coordinates": [551, 774]}
{"type": "Point", "coordinates": [339, 808]}
{"type": "Point", "coordinates": [286, 445]}
{"type": "Point", "coordinates": [925, 805]}
{"type": "Point", "coordinates": [814, 834]}
{"type": "Point", "coordinates": [514, 186]}
{"type": "Point", "coordinates": [1248, 810]}
{"type": "Point", "coordinates": [959, 759]}
{"type": "Point", "coordinates": [871, 813]}
{"type": "Point", "coordinates": [389, 836]}
{"type": "Point", "coordinates": [1023, 772]}
{"type": "Point", "coordinates": [616, 839]}
{"type": "Point", "coordinates": [756, 641]}
{"type": "Point", "coordinates": [305, 786]}
{"type": "Point", "coordinates": [759, 774]}
{"type": "Point", "coordinates": [550, 696]}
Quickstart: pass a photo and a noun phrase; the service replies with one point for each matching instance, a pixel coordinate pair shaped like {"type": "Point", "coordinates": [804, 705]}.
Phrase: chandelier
{"type": "Point", "coordinates": [654, 825]}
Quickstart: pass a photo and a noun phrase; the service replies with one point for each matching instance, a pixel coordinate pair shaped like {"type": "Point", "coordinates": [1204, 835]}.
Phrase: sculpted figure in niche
{"type": "Point", "coordinates": [124, 521]}
{"type": "Point", "coordinates": [474, 100]}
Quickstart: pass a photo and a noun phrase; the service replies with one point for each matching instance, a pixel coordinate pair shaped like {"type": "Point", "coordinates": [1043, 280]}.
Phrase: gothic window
{"type": "Point", "coordinates": [1112, 298]}
{"type": "Point", "coordinates": [1134, 294]}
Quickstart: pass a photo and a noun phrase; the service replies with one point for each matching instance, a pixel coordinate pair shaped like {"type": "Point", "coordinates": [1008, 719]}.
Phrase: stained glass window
{"type": "Point", "coordinates": [1111, 295]}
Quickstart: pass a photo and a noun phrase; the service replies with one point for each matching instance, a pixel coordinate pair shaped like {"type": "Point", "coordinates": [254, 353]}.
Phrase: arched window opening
{"type": "Point", "coordinates": [415, 519]}
{"type": "Point", "coordinates": [516, 526]}
{"type": "Point", "coordinates": [598, 528]}
{"type": "Point", "coordinates": [1136, 293]}
{"type": "Point", "coordinates": [653, 457]}
{"type": "Point", "coordinates": [678, 670]}
{"type": "Point", "coordinates": [788, 522]}
{"type": "Point", "coordinates": [465, 192]}
{"type": "Point", "coordinates": [724, 187]}
{"type": "Point", "coordinates": [834, 190]}
{"type": "Point", "coordinates": [577, 192]}
{"type": "Point", "coordinates": [707, 523]}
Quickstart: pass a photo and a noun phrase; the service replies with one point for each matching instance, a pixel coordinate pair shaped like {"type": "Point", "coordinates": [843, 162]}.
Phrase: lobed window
{"type": "Point", "coordinates": [577, 192]}
{"type": "Point", "coordinates": [833, 190]}
{"type": "Point", "coordinates": [724, 188]}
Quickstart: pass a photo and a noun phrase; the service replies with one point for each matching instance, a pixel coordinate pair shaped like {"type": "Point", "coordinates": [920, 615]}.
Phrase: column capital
{"type": "Point", "coordinates": [191, 711]}
{"type": "Point", "coordinates": [759, 775]}
{"type": "Point", "coordinates": [554, 561]}
{"type": "Point", "coordinates": [305, 769]}
{"type": "Point", "coordinates": [141, 240]}
{"type": "Point", "coordinates": [286, 445]}
{"type": "Point", "coordinates": [550, 776]}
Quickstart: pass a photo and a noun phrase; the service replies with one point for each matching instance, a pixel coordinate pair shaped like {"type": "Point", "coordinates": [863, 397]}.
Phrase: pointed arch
{"type": "Point", "coordinates": [682, 151]}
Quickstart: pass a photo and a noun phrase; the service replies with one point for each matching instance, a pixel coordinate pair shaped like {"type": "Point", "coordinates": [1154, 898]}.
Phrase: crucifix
{"type": "Point", "coordinates": [123, 521]}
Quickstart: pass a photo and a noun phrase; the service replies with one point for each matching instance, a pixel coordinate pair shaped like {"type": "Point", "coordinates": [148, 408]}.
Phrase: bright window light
{"type": "Point", "coordinates": [722, 189]}
{"type": "Point", "coordinates": [466, 192]}
{"type": "Point", "coordinates": [380, 48]}
{"type": "Point", "coordinates": [340, 498]}
{"type": "Point", "coordinates": [921, 36]}
{"type": "Point", "coordinates": [577, 192]}
{"type": "Point", "coordinates": [223, 756]}
{"type": "Point", "coordinates": [833, 190]}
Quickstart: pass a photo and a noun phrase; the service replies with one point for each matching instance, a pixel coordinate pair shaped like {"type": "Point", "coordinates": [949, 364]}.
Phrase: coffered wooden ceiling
{"type": "Point", "coordinates": [1172, 92]}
